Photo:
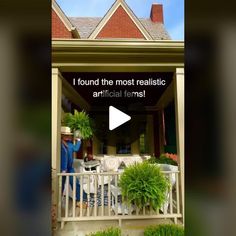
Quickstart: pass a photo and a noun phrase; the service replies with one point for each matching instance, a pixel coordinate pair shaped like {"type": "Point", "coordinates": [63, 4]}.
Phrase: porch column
{"type": "Point", "coordinates": [179, 113]}
{"type": "Point", "coordinates": [56, 139]}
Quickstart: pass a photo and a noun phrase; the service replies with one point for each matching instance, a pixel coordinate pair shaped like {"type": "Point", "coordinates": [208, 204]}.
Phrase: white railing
{"type": "Point", "coordinates": [104, 200]}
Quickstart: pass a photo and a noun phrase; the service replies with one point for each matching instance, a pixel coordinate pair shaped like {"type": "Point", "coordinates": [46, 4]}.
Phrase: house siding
{"type": "Point", "coordinates": [59, 30]}
{"type": "Point", "coordinates": [120, 25]}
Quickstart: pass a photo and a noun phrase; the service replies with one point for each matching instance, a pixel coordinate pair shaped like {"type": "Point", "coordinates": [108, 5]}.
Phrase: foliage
{"type": "Point", "coordinates": [143, 184]}
{"type": "Point", "coordinates": [152, 160]}
{"type": "Point", "coordinates": [163, 159]}
{"type": "Point", "coordinates": [107, 232]}
{"type": "Point", "coordinates": [79, 121]}
{"type": "Point", "coordinates": [164, 230]}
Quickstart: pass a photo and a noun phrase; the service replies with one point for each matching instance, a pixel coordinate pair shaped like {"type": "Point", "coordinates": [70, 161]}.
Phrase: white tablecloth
{"type": "Point", "coordinates": [112, 163]}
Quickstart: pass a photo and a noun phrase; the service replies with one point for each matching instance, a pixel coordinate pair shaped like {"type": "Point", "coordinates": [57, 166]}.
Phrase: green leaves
{"type": "Point", "coordinates": [164, 230]}
{"type": "Point", "coordinates": [107, 232]}
{"type": "Point", "coordinates": [79, 121]}
{"type": "Point", "coordinates": [144, 184]}
{"type": "Point", "coordinates": [166, 160]}
{"type": "Point", "coordinates": [163, 159]}
{"type": "Point", "coordinates": [157, 230]}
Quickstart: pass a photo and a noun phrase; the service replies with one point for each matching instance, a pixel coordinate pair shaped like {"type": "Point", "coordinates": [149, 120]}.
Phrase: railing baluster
{"type": "Point", "coordinates": [74, 195]}
{"type": "Point", "coordinates": [67, 196]}
{"type": "Point", "coordinates": [122, 206]}
{"type": "Point", "coordinates": [102, 195]}
{"type": "Point", "coordinates": [170, 195]}
{"type": "Point", "coordinates": [81, 195]}
{"type": "Point", "coordinates": [177, 192]}
{"type": "Point", "coordinates": [60, 196]}
{"type": "Point", "coordinates": [129, 208]}
{"type": "Point", "coordinates": [95, 196]}
{"type": "Point", "coordinates": [88, 195]}
{"type": "Point", "coordinates": [109, 195]}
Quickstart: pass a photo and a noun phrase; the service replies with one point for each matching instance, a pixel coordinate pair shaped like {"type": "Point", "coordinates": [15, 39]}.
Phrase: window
{"type": "Point", "coordinates": [122, 148]}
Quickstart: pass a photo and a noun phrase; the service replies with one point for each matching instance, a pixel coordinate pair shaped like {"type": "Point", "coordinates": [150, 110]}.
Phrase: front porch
{"type": "Point", "coordinates": [79, 56]}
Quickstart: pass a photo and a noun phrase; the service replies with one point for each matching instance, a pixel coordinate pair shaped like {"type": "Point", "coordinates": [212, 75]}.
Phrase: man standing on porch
{"type": "Point", "coordinates": [67, 160]}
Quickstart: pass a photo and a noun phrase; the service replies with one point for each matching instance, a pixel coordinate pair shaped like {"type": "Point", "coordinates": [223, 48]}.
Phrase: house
{"type": "Point", "coordinates": [119, 45]}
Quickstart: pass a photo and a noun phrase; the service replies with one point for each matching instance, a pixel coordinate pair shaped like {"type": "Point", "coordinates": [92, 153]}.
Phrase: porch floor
{"type": "Point", "coordinates": [129, 227]}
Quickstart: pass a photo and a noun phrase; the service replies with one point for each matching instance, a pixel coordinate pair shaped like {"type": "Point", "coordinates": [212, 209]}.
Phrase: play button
{"type": "Point", "coordinates": [117, 118]}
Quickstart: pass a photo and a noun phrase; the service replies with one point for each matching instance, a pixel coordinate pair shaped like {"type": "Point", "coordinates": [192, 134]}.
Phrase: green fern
{"type": "Point", "coordinates": [79, 121]}
{"type": "Point", "coordinates": [143, 184]}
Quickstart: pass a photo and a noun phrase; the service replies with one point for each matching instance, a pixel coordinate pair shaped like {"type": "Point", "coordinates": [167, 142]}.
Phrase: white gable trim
{"type": "Point", "coordinates": [109, 14]}
{"type": "Point", "coordinates": [64, 19]}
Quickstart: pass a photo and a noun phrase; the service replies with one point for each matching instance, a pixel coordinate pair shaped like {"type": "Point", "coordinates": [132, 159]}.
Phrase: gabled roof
{"type": "Point", "coordinates": [111, 11]}
{"type": "Point", "coordinates": [86, 25]}
{"type": "Point", "coordinates": [64, 19]}
{"type": "Point", "coordinates": [156, 30]}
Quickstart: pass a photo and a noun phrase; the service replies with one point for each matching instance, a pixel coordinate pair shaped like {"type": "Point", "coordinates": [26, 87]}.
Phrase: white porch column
{"type": "Point", "coordinates": [56, 138]}
{"type": "Point", "coordinates": [179, 113]}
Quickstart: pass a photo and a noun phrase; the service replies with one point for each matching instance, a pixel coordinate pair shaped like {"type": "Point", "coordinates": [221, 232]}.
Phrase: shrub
{"type": "Point", "coordinates": [164, 230]}
{"type": "Point", "coordinates": [143, 184]}
{"type": "Point", "coordinates": [107, 232]}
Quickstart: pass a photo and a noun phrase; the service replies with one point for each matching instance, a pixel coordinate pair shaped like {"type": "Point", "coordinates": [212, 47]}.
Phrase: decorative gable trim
{"type": "Point", "coordinates": [64, 19]}
{"type": "Point", "coordinates": [109, 14]}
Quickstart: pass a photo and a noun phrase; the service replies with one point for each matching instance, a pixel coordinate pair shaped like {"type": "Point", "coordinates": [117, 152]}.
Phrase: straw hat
{"type": "Point", "coordinates": [66, 130]}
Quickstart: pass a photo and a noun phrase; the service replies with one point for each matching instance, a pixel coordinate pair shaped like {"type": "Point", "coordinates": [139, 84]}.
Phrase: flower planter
{"type": "Point", "coordinates": [167, 167]}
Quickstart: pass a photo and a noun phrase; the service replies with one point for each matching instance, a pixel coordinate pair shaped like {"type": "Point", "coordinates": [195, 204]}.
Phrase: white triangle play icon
{"type": "Point", "coordinates": [117, 118]}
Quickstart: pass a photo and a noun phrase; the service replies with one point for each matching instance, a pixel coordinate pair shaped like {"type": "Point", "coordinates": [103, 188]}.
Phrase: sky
{"type": "Point", "coordinates": [173, 11]}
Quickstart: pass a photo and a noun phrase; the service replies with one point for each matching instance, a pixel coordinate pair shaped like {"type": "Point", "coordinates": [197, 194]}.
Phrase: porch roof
{"type": "Point", "coordinates": [117, 55]}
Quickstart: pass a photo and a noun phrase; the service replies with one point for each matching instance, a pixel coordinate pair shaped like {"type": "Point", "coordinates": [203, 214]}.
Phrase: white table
{"type": "Point", "coordinates": [92, 164]}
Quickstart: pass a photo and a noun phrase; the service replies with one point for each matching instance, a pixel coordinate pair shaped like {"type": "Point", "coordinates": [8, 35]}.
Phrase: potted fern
{"type": "Point", "coordinates": [80, 123]}
{"type": "Point", "coordinates": [143, 184]}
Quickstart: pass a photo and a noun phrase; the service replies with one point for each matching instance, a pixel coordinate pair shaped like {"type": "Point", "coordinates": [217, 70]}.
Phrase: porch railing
{"type": "Point", "coordinates": [104, 200]}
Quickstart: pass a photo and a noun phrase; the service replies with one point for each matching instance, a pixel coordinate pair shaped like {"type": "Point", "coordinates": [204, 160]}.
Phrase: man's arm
{"type": "Point", "coordinates": [76, 147]}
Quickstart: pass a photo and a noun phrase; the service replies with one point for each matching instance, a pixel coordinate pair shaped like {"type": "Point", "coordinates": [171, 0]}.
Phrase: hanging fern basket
{"type": "Point", "coordinates": [80, 123]}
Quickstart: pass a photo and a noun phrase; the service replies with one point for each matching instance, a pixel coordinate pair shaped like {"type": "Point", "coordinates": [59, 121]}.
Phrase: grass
{"type": "Point", "coordinates": [164, 230]}
{"type": "Point", "coordinates": [107, 232]}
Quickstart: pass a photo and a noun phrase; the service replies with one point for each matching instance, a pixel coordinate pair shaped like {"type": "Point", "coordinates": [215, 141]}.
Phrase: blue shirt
{"type": "Point", "coordinates": [67, 156]}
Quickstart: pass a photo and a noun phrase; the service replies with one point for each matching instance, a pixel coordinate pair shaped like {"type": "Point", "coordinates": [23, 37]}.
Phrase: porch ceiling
{"type": "Point", "coordinates": [152, 93]}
